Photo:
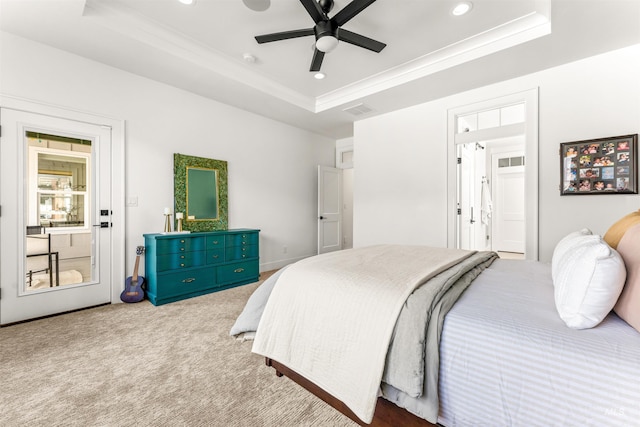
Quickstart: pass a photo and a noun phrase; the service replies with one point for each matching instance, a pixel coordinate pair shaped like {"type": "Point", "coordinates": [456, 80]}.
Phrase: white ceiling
{"type": "Point", "coordinates": [430, 53]}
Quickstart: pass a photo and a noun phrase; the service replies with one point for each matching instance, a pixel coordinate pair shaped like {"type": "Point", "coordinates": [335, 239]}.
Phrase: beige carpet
{"type": "Point", "coordinates": [140, 365]}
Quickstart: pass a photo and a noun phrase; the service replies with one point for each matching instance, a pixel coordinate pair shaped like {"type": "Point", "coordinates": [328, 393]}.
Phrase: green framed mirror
{"type": "Point", "coordinates": [200, 192]}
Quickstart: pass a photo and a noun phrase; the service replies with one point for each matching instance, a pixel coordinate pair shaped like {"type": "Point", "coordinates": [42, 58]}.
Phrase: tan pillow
{"type": "Point", "coordinates": [628, 305]}
{"type": "Point", "coordinates": [617, 230]}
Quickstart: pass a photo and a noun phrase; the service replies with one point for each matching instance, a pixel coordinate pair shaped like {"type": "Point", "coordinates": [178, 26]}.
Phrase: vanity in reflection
{"type": "Point", "coordinates": [210, 257]}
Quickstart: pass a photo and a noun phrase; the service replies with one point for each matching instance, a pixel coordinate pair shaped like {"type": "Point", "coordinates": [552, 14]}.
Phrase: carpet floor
{"type": "Point", "coordinates": [140, 365]}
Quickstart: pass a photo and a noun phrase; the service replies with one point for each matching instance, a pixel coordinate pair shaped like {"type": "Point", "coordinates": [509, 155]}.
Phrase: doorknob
{"type": "Point", "coordinates": [321, 217]}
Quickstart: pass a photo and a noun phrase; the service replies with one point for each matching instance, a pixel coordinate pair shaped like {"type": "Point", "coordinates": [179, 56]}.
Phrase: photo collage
{"type": "Point", "coordinates": [598, 166]}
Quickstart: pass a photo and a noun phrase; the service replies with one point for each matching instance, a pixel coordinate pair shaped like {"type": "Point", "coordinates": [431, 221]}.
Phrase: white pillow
{"type": "Point", "coordinates": [566, 244]}
{"type": "Point", "coordinates": [588, 281]}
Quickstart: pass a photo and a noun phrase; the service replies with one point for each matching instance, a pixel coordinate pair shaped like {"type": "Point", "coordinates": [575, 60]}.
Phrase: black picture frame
{"type": "Point", "coordinates": [599, 166]}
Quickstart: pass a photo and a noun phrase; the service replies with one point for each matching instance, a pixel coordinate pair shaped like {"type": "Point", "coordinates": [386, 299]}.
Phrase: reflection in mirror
{"type": "Point", "coordinates": [58, 246]}
{"type": "Point", "coordinates": [62, 189]}
{"type": "Point", "coordinates": [200, 192]}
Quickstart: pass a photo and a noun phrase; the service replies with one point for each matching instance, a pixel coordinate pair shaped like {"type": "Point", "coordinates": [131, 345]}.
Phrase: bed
{"type": "Point", "coordinates": [513, 347]}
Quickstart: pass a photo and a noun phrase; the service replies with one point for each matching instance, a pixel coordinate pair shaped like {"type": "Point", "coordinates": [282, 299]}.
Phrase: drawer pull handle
{"type": "Point", "coordinates": [215, 256]}
{"type": "Point", "coordinates": [215, 242]}
{"type": "Point", "coordinates": [238, 270]}
{"type": "Point", "coordinates": [181, 241]}
{"type": "Point", "coordinates": [189, 280]}
{"type": "Point", "coordinates": [244, 249]}
{"type": "Point", "coordinates": [181, 256]}
{"type": "Point", "coordinates": [181, 265]}
{"type": "Point", "coordinates": [182, 249]}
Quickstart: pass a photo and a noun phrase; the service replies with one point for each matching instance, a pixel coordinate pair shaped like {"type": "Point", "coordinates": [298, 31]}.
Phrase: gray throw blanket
{"type": "Point", "coordinates": [413, 358]}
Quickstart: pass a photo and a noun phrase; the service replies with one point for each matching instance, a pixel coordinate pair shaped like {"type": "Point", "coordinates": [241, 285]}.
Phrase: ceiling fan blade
{"type": "Point", "coordinates": [350, 10]}
{"type": "Point", "coordinates": [316, 62]}
{"type": "Point", "coordinates": [314, 9]}
{"type": "Point", "coordinates": [359, 40]}
{"type": "Point", "coordinates": [266, 38]}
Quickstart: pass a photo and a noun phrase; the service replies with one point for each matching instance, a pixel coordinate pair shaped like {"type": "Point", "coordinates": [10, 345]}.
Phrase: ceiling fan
{"type": "Point", "coordinates": [327, 30]}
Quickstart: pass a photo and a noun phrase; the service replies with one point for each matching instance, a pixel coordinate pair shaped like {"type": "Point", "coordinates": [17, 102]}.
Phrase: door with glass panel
{"type": "Point", "coordinates": [55, 222]}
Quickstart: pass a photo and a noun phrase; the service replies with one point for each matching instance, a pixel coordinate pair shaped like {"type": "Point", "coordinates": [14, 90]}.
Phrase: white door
{"type": "Point", "coordinates": [508, 221]}
{"type": "Point", "coordinates": [466, 198]}
{"type": "Point", "coordinates": [56, 191]}
{"type": "Point", "coordinates": [329, 209]}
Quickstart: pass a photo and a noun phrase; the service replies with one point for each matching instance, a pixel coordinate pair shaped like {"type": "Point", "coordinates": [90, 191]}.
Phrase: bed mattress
{"type": "Point", "coordinates": [507, 359]}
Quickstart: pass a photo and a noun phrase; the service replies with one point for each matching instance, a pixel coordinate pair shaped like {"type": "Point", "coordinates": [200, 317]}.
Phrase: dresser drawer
{"type": "Point", "coordinates": [172, 284]}
{"type": "Point", "coordinates": [241, 239]}
{"type": "Point", "coordinates": [180, 260]}
{"type": "Point", "coordinates": [215, 242]}
{"type": "Point", "coordinates": [241, 252]}
{"type": "Point", "coordinates": [178, 245]}
{"type": "Point", "coordinates": [215, 256]}
{"type": "Point", "coordinates": [238, 272]}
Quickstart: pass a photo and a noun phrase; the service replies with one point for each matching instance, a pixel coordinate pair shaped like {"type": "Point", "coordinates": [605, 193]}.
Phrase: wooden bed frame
{"type": "Point", "coordinates": [387, 414]}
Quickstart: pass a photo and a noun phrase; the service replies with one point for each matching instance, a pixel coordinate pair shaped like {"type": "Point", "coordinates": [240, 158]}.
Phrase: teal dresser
{"type": "Point", "coordinates": [179, 266]}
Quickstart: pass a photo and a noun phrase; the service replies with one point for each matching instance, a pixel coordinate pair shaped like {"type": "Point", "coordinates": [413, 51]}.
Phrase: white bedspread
{"type": "Point", "coordinates": [340, 344]}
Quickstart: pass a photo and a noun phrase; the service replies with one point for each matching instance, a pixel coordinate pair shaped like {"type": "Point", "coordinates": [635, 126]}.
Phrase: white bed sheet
{"type": "Point", "coordinates": [507, 359]}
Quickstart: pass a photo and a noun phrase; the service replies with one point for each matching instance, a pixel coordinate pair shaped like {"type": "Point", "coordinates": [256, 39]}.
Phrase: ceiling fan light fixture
{"type": "Point", "coordinates": [326, 44]}
{"type": "Point", "coordinates": [462, 8]}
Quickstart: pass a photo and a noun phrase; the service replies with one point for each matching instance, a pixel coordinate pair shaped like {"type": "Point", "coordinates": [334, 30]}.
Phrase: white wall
{"type": "Point", "coordinates": [400, 176]}
{"type": "Point", "coordinates": [271, 166]}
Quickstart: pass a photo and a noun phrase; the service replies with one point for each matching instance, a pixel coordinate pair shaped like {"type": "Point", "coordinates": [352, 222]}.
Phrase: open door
{"type": "Point", "coordinates": [329, 209]}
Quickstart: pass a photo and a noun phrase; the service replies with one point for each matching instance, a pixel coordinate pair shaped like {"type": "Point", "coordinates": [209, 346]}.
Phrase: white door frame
{"type": "Point", "coordinates": [117, 175]}
{"type": "Point", "coordinates": [530, 131]}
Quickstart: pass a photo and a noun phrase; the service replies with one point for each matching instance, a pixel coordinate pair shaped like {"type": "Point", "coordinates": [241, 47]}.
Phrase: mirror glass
{"type": "Point", "coordinates": [202, 202]}
{"type": "Point", "coordinates": [200, 192]}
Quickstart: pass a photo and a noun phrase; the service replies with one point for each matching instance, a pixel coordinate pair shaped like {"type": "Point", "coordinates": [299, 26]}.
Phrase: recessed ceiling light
{"type": "Point", "coordinates": [189, 2]}
{"type": "Point", "coordinates": [462, 8]}
{"type": "Point", "coordinates": [249, 58]}
{"type": "Point", "coordinates": [319, 76]}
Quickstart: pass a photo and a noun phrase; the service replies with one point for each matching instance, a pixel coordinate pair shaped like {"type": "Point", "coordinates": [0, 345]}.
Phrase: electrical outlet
{"type": "Point", "coordinates": [132, 201]}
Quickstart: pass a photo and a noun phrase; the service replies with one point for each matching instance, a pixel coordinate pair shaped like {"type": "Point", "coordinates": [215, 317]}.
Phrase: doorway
{"type": "Point", "coordinates": [487, 209]}
{"type": "Point", "coordinates": [491, 196]}
{"type": "Point", "coordinates": [57, 240]}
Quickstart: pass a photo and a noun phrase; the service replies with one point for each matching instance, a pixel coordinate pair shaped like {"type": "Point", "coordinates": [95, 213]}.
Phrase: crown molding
{"type": "Point", "coordinates": [510, 34]}
{"type": "Point", "coordinates": [142, 29]}
{"type": "Point", "coordinates": [135, 26]}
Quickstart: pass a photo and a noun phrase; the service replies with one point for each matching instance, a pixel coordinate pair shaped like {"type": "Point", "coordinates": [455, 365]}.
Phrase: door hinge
{"type": "Point", "coordinates": [459, 160]}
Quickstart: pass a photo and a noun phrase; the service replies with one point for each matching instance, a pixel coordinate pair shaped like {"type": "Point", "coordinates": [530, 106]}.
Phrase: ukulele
{"type": "Point", "coordinates": [133, 291]}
